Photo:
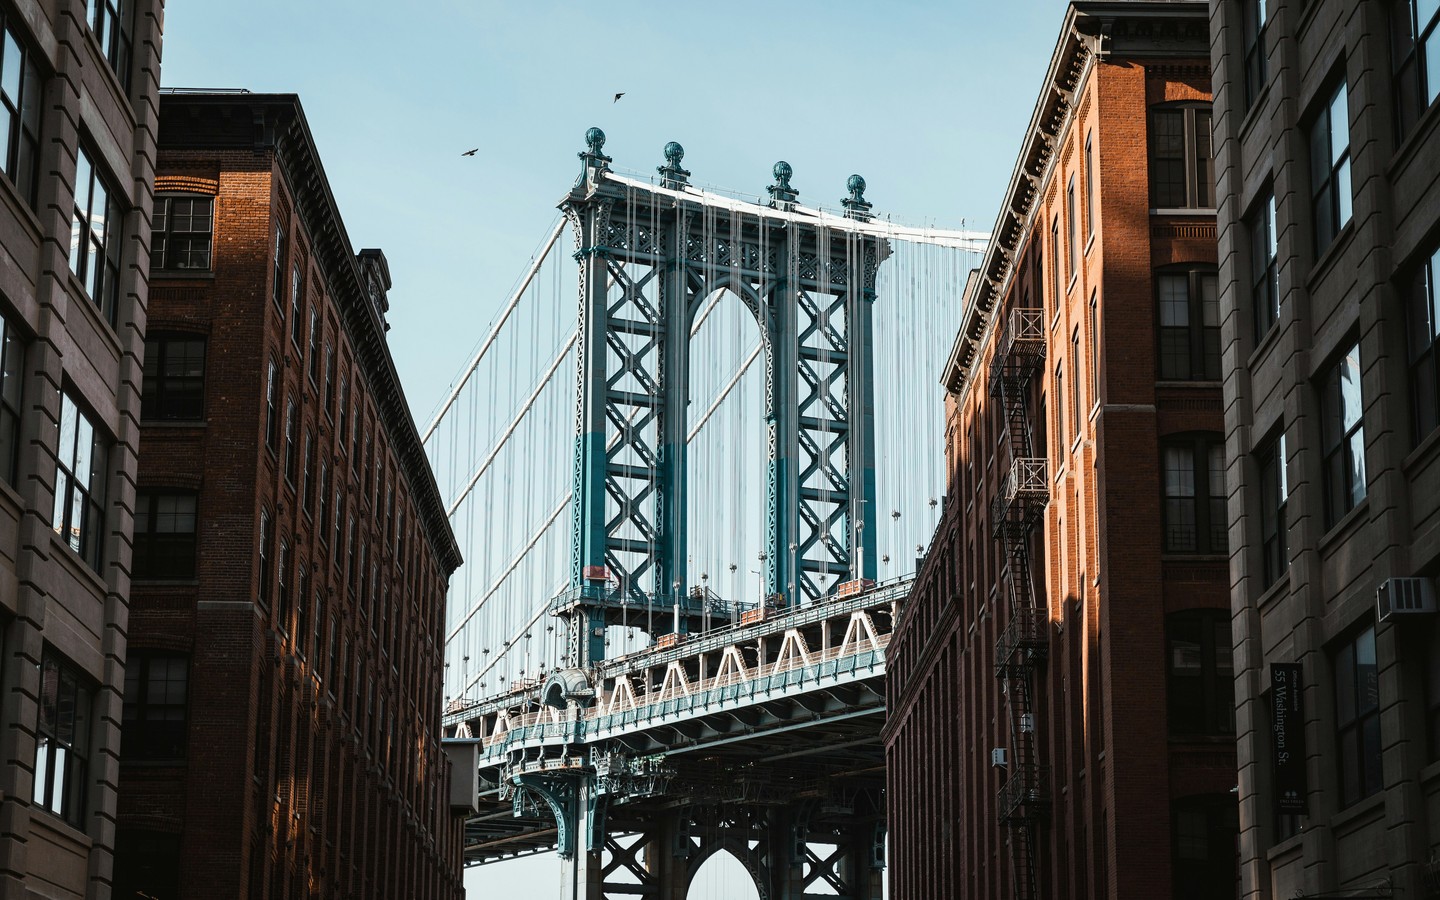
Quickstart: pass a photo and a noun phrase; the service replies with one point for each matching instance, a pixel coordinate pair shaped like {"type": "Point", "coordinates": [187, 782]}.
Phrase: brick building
{"type": "Point", "coordinates": [78, 89]}
{"type": "Point", "coordinates": [1061, 718]}
{"type": "Point", "coordinates": [291, 553]}
{"type": "Point", "coordinates": [1328, 152]}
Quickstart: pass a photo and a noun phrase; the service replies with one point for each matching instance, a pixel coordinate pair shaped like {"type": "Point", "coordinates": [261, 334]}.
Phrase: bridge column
{"type": "Point", "coordinates": [671, 577]}
{"type": "Point", "coordinates": [783, 489]}
{"type": "Point", "coordinates": [860, 385]}
{"type": "Point", "coordinates": [844, 861]}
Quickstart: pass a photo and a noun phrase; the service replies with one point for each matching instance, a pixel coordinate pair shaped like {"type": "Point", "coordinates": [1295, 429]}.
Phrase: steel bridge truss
{"type": "Point", "coordinates": [650, 256]}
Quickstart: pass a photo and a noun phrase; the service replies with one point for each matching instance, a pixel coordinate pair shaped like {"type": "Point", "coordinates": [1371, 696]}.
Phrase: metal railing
{"type": "Point", "coordinates": [1024, 639]}
{"type": "Point", "coordinates": [1025, 794]}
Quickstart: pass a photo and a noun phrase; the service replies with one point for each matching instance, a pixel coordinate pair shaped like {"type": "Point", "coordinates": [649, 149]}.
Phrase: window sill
{"type": "Point", "coordinates": [181, 275]}
{"type": "Point", "coordinates": [1074, 278]}
{"type": "Point", "coordinates": [191, 582]}
{"type": "Point", "coordinates": [1348, 523]}
{"type": "Point", "coordinates": [1286, 847]}
{"type": "Point", "coordinates": [1332, 253]}
{"type": "Point", "coordinates": [1418, 138]}
{"type": "Point", "coordinates": [1274, 592]}
{"type": "Point", "coordinates": [1200, 212]}
{"type": "Point", "coordinates": [1357, 810]}
{"type": "Point", "coordinates": [103, 325]}
{"type": "Point", "coordinates": [1252, 115]}
{"type": "Point", "coordinates": [66, 829]}
{"type": "Point", "coordinates": [80, 565]}
{"type": "Point", "coordinates": [178, 763]}
{"type": "Point", "coordinates": [1262, 346]}
{"type": "Point", "coordinates": [1089, 242]}
{"type": "Point", "coordinates": [174, 424]}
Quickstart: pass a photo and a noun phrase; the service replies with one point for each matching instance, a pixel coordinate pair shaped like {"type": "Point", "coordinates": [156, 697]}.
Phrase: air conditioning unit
{"type": "Point", "coordinates": [1401, 597]}
{"type": "Point", "coordinates": [997, 757]}
{"type": "Point", "coordinates": [1027, 723]}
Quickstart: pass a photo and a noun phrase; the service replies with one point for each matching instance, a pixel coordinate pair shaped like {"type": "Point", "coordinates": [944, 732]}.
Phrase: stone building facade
{"type": "Point", "coordinates": [1328, 165]}
{"type": "Point", "coordinates": [78, 85]}
{"type": "Point", "coordinates": [291, 551]}
{"type": "Point", "coordinates": [1060, 710]}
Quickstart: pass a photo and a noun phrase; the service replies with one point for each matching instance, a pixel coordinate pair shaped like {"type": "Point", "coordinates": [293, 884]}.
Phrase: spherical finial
{"type": "Point", "coordinates": [782, 172]}
{"type": "Point", "coordinates": [855, 185]}
{"type": "Point", "coordinates": [674, 153]}
{"type": "Point", "coordinates": [595, 140]}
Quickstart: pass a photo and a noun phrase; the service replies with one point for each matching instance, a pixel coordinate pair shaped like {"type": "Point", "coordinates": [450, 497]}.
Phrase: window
{"type": "Point", "coordinates": [329, 381]}
{"type": "Point", "coordinates": [1255, 65]}
{"type": "Point", "coordinates": [307, 491]}
{"type": "Point", "coordinates": [144, 865]}
{"type": "Point", "coordinates": [164, 535]}
{"type": "Point", "coordinates": [1205, 831]}
{"type": "Point", "coordinates": [290, 449]}
{"type": "Point", "coordinates": [1194, 508]}
{"type": "Point", "coordinates": [324, 499]}
{"type": "Point", "coordinates": [81, 456]}
{"type": "Point", "coordinates": [277, 284]}
{"type": "Point", "coordinates": [1415, 51]}
{"type": "Point", "coordinates": [1182, 163]}
{"type": "Point", "coordinates": [339, 516]}
{"type": "Point", "coordinates": [1264, 267]}
{"type": "Point", "coordinates": [1357, 716]}
{"type": "Point", "coordinates": [95, 237]}
{"type": "Point", "coordinates": [1274, 493]}
{"type": "Point", "coordinates": [271, 414]}
{"type": "Point", "coordinates": [154, 720]}
{"type": "Point", "coordinates": [62, 739]}
{"type": "Point", "coordinates": [1089, 185]}
{"type": "Point", "coordinates": [1432, 695]}
{"type": "Point", "coordinates": [1070, 222]}
{"type": "Point", "coordinates": [1342, 434]}
{"type": "Point", "coordinates": [1075, 407]}
{"type": "Point", "coordinates": [172, 385]}
{"type": "Point", "coordinates": [1189, 325]}
{"type": "Point", "coordinates": [1060, 408]}
{"type": "Point", "coordinates": [111, 22]}
{"type": "Point", "coordinates": [295, 322]}
{"type": "Point", "coordinates": [20, 95]}
{"type": "Point", "coordinates": [282, 584]}
{"type": "Point", "coordinates": [1055, 262]}
{"type": "Point", "coordinates": [267, 536]}
{"type": "Point", "coordinates": [344, 397]}
{"type": "Point", "coordinates": [1200, 686]}
{"type": "Point", "coordinates": [302, 608]}
{"type": "Point", "coordinates": [182, 232]}
{"type": "Point", "coordinates": [1330, 168]}
{"type": "Point", "coordinates": [1422, 305]}
{"type": "Point", "coordinates": [314, 345]}
{"type": "Point", "coordinates": [1094, 348]}
{"type": "Point", "coordinates": [12, 380]}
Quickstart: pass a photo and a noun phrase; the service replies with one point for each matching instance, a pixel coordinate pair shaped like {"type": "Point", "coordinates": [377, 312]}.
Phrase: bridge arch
{"type": "Point", "coordinates": [719, 851]}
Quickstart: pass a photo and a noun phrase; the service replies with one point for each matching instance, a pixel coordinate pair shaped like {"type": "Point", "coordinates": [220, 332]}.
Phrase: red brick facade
{"type": "Point", "coordinates": [1131, 717]}
{"type": "Point", "coordinates": [310, 630]}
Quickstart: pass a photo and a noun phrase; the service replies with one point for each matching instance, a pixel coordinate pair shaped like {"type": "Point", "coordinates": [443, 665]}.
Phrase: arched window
{"type": "Point", "coordinates": [1189, 323]}
{"type": "Point", "coordinates": [182, 232]}
{"type": "Point", "coordinates": [1200, 673]}
{"type": "Point", "coordinates": [1193, 490]}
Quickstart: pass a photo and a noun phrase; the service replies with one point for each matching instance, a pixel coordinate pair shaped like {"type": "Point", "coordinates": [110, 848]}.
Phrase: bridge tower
{"type": "Point", "coordinates": [1018, 508]}
{"type": "Point", "coordinates": [649, 256]}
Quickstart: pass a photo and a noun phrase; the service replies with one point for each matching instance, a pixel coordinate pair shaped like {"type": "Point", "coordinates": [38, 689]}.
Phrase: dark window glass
{"type": "Point", "coordinates": [277, 284]}
{"type": "Point", "coordinates": [1055, 262]}
{"type": "Point", "coordinates": [1422, 307]}
{"type": "Point", "coordinates": [62, 739]}
{"type": "Point", "coordinates": [1415, 52]}
{"type": "Point", "coordinates": [1264, 267]}
{"type": "Point", "coordinates": [1072, 227]}
{"type": "Point", "coordinates": [266, 553]}
{"type": "Point", "coordinates": [314, 345]}
{"type": "Point", "coordinates": [1343, 436]}
{"type": "Point", "coordinates": [1274, 494]}
{"type": "Point", "coordinates": [1075, 403]}
{"type": "Point", "coordinates": [324, 502]}
{"type": "Point", "coordinates": [1200, 689]}
{"type": "Point", "coordinates": [154, 721]}
{"type": "Point", "coordinates": [272, 414]}
{"type": "Point", "coordinates": [1330, 168]}
{"type": "Point", "coordinates": [307, 491]}
{"type": "Point", "coordinates": [296, 324]}
{"type": "Point", "coordinates": [95, 239]}
{"type": "Point", "coordinates": [82, 454]}
{"type": "Point", "coordinates": [291, 450]}
{"type": "Point", "coordinates": [302, 609]}
{"type": "Point", "coordinates": [1089, 185]}
{"type": "Point", "coordinates": [329, 381]}
{"type": "Point", "coordinates": [1182, 163]}
{"type": "Point", "coordinates": [145, 865]}
{"type": "Point", "coordinates": [111, 21]}
{"type": "Point", "coordinates": [282, 586]}
{"type": "Point", "coordinates": [164, 535]}
{"type": "Point", "coordinates": [1060, 408]}
{"type": "Point", "coordinates": [182, 232]}
{"type": "Point", "coordinates": [12, 380]}
{"type": "Point", "coordinates": [1255, 65]}
{"type": "Point", "coordinates": [173, 381]}
{"type": "Point", "coordinates": [1189, 325]}
{"type": "Point", "coordinates": [1432, 695]}
{"type": "Point", "coordinates": [1194, 492]}
{"type": "Point", "coordinates": [1205, 831]}
{"type": "Point", "coordinates": [20, 109]}
{"type": "Point", "coordinates": [1357, 716]}
{"type": "Point", "coordinates": [1094, 349]}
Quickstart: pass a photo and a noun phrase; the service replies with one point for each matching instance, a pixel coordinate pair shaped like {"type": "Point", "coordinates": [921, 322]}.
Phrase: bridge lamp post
{"type": "Point", "coordinates": [735, 595]}
{"type": "Point", "coordinates": [705, 600]}
{"type": "Point", "coordinates": [794, 575]}
{"type": "Point", "coordinates": [762, 557]}
{"type": "Point", "coordinates": [676, 594]}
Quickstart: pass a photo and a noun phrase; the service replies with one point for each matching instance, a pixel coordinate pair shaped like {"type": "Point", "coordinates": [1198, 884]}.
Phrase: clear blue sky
{"type": "Point", "coordinates": [927, 100]}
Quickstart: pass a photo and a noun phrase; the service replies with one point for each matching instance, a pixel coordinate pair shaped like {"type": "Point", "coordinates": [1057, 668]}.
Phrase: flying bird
{"type": "Point", "coordinates": [471, 152]}
{"type": "Point", "coordinates": [617, 97]}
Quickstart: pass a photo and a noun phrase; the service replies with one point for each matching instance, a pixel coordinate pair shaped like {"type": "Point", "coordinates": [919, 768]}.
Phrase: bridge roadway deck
{"type": "Point", "coordinates": [773, 712]}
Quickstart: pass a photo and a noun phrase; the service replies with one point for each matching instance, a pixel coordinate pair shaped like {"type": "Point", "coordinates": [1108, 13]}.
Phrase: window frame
{"type": "Point", "coordinates": [1197, 165]}
{"type": "Point", "coordinates": [13, 346]}
{"type": "Point", "coordinates": [140, 711]}
{"type": "Point", "coordinates": [22, 140]}
{"type": "Point", "coordinates": [163, 232]}
{"type": "Point", "coordinates": [157, 384]}
{"type": "Point", "coordinates": [1272, 462]}
{"type": "Point", "coordinates": [71, 764]}
{"type": "Point", "coordinates": [1342, 450]}
{"type": "Point", "coordinates": [1416, 86]}
{"type": "Point", "coordinates": [87, 537]}
{"type": "Point", "coordinates": [1354, 719]}
{"type": "Point", "coordinates": [272, 403]}
{"type": "Point", "coordinates": [1071, 224]}
{"type": "Point", "coordinates": [98, 268]}
{"type": "Point", "coordinates": [148, 545]}
{"type": "Point", "coordinates": [1202, 340]}
{"type": "Point", "coordinates": [1214, 714]}
{"type": "Point", "coordinates": [1422, 331]}
{"type": "Point", "coordinates": [1206, 499]}
{"type": "Point", "coordinates": [112, 24]}
{"type": "Point", "coordinates": [1089, 186]}
{"type": "Point", "coordinates": [1256, 64]}
{"type": "Point", "coordinates": [1332, 195]}
{"type": "Point", "coordinates": [1264, 279]}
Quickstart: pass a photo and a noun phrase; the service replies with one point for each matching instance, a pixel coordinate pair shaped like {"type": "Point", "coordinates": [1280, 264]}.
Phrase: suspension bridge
{"type": "Point", "coordinates": [691, 507]}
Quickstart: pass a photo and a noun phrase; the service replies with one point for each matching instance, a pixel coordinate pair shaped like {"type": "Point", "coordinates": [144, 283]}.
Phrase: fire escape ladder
{"type": "Point", "coordinates": [1018, 507]}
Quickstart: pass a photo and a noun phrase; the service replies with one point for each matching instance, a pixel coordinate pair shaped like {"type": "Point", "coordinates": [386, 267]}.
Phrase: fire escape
{"type": "Point", "coordinates": [1017, 509]}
